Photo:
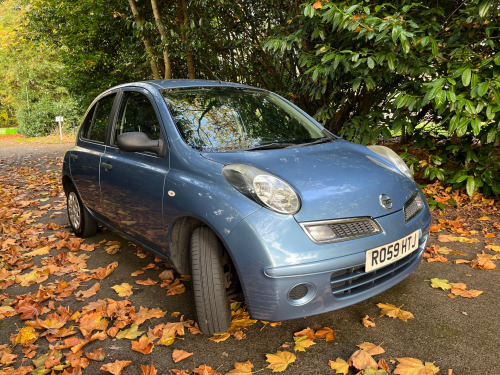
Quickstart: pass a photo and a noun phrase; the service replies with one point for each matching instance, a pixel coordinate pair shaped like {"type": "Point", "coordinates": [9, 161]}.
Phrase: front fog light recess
{"type": "Point", "coordinates": [264, 188]}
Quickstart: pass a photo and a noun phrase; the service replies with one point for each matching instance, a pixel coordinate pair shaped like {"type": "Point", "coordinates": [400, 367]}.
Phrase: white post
{"type": "Point", "coordinates": [59, 120]}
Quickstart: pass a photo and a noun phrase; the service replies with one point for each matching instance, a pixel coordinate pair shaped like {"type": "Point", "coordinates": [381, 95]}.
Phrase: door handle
{"type": "Point", "coordinates": [73, 156]}
{"type": "Point", "coordinates": [106, 166]}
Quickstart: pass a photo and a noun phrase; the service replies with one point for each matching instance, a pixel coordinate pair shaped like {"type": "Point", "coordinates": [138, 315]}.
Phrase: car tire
{"type": "Point", "coordinates": [82, 223]}
{"type": "Point", "coordinates": [212, 305]}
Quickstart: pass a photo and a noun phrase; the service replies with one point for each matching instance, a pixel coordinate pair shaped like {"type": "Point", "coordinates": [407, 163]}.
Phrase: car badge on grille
{"type": "Point", "coordinates": [385, 201]}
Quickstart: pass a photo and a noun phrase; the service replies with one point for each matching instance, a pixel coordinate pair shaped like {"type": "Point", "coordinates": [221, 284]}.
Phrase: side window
{"type": "Point", "coordinates": [87, 122]}
{"type": "Point", "coordinates": [98, 128]}
{"type": "Point", "coordinates": [137, 115]}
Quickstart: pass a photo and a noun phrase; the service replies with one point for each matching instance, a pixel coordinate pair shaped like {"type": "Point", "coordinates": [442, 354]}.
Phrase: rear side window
{"type": "Point", "coordinates": [96, 123]}
{"type": "Point", "coordinates": [137, 115]}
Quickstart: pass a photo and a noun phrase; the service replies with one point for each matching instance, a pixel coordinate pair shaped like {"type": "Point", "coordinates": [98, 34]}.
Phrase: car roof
{"type": "Point", "coordinates": [181, 83]}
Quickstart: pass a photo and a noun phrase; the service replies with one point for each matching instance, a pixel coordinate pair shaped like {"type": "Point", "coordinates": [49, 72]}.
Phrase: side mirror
{"type": "Point", "coordinates": [139, 142]}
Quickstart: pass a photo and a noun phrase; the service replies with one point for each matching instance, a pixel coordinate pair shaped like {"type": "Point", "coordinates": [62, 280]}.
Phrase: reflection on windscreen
{"type": "Point", "coordinates": [224, 119]}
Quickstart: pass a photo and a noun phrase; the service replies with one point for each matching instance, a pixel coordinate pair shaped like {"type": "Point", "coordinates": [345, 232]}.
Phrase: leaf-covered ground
{"type": "Point", "coordinates": [103, 306]}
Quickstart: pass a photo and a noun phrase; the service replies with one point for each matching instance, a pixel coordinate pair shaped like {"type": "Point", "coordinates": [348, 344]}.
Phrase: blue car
{"type": "Point", "coordinates": [247, 193]}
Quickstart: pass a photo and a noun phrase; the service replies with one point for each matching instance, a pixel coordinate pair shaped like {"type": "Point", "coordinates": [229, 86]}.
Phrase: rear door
{"type": "Point", "coordinates": [85, 157]}
{"type": "Point", "coordinates": [132, 182]}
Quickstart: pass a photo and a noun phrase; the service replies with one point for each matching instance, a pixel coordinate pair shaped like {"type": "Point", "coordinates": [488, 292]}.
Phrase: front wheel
{"type": "Point", "coordinates": [212, 305]}
{"type": "Point", "coordinates": [82, 223]}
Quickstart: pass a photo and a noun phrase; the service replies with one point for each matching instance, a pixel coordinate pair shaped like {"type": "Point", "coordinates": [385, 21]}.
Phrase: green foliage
{"type": "Point", "coordinates": [376, 70]}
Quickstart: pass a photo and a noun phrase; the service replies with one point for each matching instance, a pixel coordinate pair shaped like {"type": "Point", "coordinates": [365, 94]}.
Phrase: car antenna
{"type": "Point", "coordinates": [210, 70]}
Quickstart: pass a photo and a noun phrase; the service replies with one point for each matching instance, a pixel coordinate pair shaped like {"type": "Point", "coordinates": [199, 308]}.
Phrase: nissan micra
{"type": "Point", "coordinates": [247, 193]}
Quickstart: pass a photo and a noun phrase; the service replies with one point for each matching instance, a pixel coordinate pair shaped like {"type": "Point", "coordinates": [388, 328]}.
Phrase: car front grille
{"type": "Point", "coordinates": [357, 228]}
{"type": "Point", "coordinates": [351, 281]}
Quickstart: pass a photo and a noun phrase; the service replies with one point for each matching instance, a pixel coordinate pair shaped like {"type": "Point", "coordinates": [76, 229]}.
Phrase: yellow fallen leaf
{"type": "Point", "coordinates": [279, 362]}
{"type": "Point", "coordinates": [493, 247]}
{"type": "Point", "coordinates": [26, 336]}
{"type": "Point", "coordinates": [409, 366]}
{"type": "Point", "coordinates": [440, 283]}
{"type": "Point", "coordinates": [123, 290]}
{"type": "Point", "coordinates": [394, 312]}
{"type": "Point", "coordinates": [219, 337]}
{"type": "Point", "coordinates": [340, 366]}
{"type": "Point", "coordinates": [241, 368]}
{"type": "Point", "coordinates": [302, 342]}
{"type": "Point", "coordinates": [130, 333]}
{"type": "Point", "coordinates": [483, 218]}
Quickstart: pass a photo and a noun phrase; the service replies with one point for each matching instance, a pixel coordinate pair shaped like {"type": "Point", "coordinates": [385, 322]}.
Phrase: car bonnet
{"type": "Point", "coordinates": [334, 180]}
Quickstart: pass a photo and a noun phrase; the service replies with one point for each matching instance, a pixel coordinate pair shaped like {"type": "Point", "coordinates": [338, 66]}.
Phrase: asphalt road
{"type": "Point", "coordinates": [459, 334]}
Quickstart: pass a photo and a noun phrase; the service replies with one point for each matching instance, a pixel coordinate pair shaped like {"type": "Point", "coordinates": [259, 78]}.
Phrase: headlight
{"type": "Point", "coordinates": [264, 188]}
{"type": "Point", "coordinates": [393, 158]}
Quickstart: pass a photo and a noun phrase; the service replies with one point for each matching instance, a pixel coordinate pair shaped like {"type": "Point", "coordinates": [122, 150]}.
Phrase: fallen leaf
{"type": "Point", "coordinates": [394, 312]}
{"type": "Point", "coordinates": [148, 370]}
{"type": "Point", "coordinates": [144, 345]}
{"type": "Point", "coordinates": [205, 370]}
{"type": "Point", "coordinates": [413, 366]}
{"type": "Point", "coordinates": [219, 337]}
{"type": "Point", "coordinates": [483, 264]}
{"type": "Point", "coordinates": [325, 333]}
{"type": "Point", "coordinates": [493, 247]}
{"type": "Point", "coordinates": [361, 360]}
{"type": "Point", "coordinates": [26, 336]}
{"type": "Point", "coordinates": [116, 367]}
{"type": "Point", "coordinates": [302, 342]}
{"type": "Point", "coordinates": [92, 291]}
{"type": "Point", "coordinates": [96, 355]}
{"type": "Point", "coordinates": [440, 283]}
{"type": "Point", "coordinates": [340, 366]}
{"type": "Point", "coordinates": [148, 281]}
{"type": "Point", "coordinates": [123, 290]}
{"type": "Point", "coordinates": [241, 368]}
{"type": "Point", "coordinates": [179, 355]}
{"type": "Point", "coordinates": [371, 349]}
{"type": "Point", "coordinates": [130, 333]}
{"type": "Point", "coordinates": [483, 218]}
{"type": "Point", "coordinates": [308, 332]}
{"type": "Point", "coordinates": [279, 362]}
{"type": "Point", "coordinates": [368, 322]}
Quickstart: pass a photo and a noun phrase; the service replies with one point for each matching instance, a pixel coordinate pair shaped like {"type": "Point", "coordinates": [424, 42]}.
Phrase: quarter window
{"type": "Point", "coordinates": [98, 129]}
{"type": "Point", "coordinates": [137, 115]}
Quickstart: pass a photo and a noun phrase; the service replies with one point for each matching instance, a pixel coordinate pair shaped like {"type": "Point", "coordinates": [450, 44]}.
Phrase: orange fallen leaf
{"type": "Point", "coordinates": [368, 322]}
{"type": "Point", "coordinates": [116, 367]}
{"type": "Point", "coordinates": [92, 291]}
{"type": "Point", "coordinates": [483, 264]}
{"type": "Point", "coordinates": [325, 333]}
{"type": "Point", "coordinates": [144, 345]}
{"type": "Point", "coordinates": [179, 355]}
{"type": "Point", "coordinates": [219, 337]}
{"type": "Point", "coordinates": [148, 370]}
{"type": "Point", "coordinates": [361, 360]}
{"type": "Point", "coordinates": [308, 332]}
{"type": "Point", "coordinates": [371, 349]}
{"type": "Point", "coordinates": [148, 281]}
{"type": "Point", "coordinates": [205, 370]}
{"type": "Point", "coordinates": [96, 355]}
{"type": "Point", "coordinates": [279, 362]}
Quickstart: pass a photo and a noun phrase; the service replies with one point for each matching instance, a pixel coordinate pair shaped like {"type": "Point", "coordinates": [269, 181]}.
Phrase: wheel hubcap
{"type": "Point", "coordinates": [74, 210]}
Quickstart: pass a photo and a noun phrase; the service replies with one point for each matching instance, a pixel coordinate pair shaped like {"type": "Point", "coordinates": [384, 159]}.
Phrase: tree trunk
{"type": "Point", "coordinates": [161, 29]}
{"type": "Point", "coordinates": [184, 20]}
{"type": "Point", "coordinates": [147, 43]}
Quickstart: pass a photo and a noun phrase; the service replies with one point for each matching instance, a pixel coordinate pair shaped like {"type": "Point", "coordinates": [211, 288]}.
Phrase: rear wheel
{"type": "Point", "coordinates": [209, 282]}
{"type": "Point", "coordinates": [80, 220]}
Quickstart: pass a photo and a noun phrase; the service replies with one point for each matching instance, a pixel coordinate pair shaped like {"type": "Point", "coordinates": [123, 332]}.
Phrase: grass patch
{"type": "Point", "coordinates": [8, 131]}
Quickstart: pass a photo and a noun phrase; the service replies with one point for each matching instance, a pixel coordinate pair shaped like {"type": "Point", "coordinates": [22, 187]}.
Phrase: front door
{"type": "Point", "coordinates": [132, 182]}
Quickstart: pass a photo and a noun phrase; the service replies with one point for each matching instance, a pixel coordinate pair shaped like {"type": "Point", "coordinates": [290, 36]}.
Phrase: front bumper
{"type": "Point", "coordinates": [273, 255]}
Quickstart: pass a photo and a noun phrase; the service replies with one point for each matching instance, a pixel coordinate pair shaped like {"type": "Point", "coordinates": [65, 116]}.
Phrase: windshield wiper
{"type": "Point", "coordinates": [316, 142]}
{"type": "Point", "coordinates": [272, 145]}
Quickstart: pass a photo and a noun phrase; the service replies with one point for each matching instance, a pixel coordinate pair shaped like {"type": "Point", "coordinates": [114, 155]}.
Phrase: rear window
{"type": "Point", "coordinates": [95, 126]}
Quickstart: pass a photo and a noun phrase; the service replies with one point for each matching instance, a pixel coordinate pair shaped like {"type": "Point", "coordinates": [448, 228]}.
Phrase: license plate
{"type": "Point", "coordinates": [386, 254]}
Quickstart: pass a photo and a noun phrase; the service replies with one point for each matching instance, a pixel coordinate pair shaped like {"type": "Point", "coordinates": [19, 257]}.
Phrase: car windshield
{"type": "Point", "coordinates": [217, 119]}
